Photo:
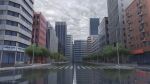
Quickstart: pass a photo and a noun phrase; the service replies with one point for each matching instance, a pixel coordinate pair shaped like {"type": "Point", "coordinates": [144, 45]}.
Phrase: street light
{"type": "Point", "coordinates": [34, 42]}
{"type": "Point", "coordinates": [117, 45]}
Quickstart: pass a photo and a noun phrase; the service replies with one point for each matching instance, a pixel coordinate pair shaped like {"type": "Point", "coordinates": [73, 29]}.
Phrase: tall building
{"type": "Point", "coordinates": [51, 39]}
{"type": "Point", "coordinates": [103, 34]}
{"type": "Point", "coordinates": [39, 30]}
{"type": "Point", "coordinates": [116, 19]}
{"type": "Point", "coordinates": [69, 47]}
{"type": "Point", "coordinates": [15, 29]}
{"type": "Point", "coordinates": [137, 31]}
{"type": "Point", "coordinates": [92, 44]}
{"type": "Point", "coordinates": [61, 32]}
{"type": "Point", "coordinates": [94, 23]}
{"type": "Point", "coordinates": [79, 50]}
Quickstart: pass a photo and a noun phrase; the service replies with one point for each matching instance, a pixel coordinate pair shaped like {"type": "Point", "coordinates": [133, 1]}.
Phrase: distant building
{"type": "Point", "coordinates": [103, 34]}
{"type": "Point", "coordinates": [15, 29]}
{"type": "Point", "coordinates": [137, 30]}
{"type": "Point", "coordinates": [51, 39]}
{"type": "Point", "coordinates": [116, 19]}
{"type": "Point", "coordinates": [94, 23]}
{"type": "Point", "coordinates": [79, 50]}
{"type": "Point", "coordinates": [69, 48]}
{"type": "Point", "coordinates": [61, 32]}
{"type": "Point", "coordinates": [91, 44]}
{"type": "Point", "coordinates": [39, 30]}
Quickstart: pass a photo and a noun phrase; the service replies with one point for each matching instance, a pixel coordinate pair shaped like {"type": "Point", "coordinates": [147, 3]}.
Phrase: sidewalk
{"type": "Point", "coordinates": [136, 66]}
{"type": "Point", "coordinates": [25, 67]}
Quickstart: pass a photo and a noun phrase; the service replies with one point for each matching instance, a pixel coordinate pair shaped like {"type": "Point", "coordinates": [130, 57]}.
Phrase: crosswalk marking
{"type": "Point", "coordinates": [71, 67]}
{"type": "Point", "coordinates": [66, 67]}
{"type": "Point", "coordinates": [78, 67]}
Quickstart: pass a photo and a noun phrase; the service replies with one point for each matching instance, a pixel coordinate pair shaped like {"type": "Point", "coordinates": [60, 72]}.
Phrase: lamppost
{"type": "Point", "coordinates": [117, 45]}
{"type": "Point", "coordinates": [33, 54]}
{"type": "Point", "coordinates": [1, 56]}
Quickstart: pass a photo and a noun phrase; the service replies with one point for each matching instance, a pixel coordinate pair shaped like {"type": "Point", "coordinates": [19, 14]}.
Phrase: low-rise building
{"type": "Point", "coordinates": [39, 29]}
{"type": "Point", "coordinates": [137, 30]}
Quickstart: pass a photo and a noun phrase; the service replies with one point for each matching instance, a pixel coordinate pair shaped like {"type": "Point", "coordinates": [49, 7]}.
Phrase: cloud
{"type": "Point", "coordinates": [75, 12]}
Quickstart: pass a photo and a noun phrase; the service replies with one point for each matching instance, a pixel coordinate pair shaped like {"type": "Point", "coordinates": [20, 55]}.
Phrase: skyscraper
{"type": "Point", "coordinates": [103, 34]}
{"type": "Point", "coordinates": [61, 32]}
{"type": "Point", "coordinates": [94, 23]}
{"type": "Point", "coordinates": [51, 39]}
{"type": "Point", "coordinates": [69, 47]}
{"type": "Point", "coordinates": [15, 29]}
{"type": "Point", "coordinates": [116, 19]}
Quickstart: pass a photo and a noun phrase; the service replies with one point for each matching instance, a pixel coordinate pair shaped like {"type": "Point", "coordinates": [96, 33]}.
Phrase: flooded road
{"type": "Point", "coordinates": [75, 74]}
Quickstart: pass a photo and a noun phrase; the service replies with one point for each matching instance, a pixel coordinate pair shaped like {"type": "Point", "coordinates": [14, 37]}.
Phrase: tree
{"type": "Point", "coordinates": [38, 52]}
{"type": "Point", "coordinates": [57, 57]}
{"type": "Point", "coordinates": [109, 54]}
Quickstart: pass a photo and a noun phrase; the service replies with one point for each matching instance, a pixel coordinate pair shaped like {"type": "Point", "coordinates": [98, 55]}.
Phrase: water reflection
{"type": "Point", "coordinates": [36, 76]}
{"type": "Point", "coordinates": [85, 74]}
{"type": "Point", "coordinates": [112, 76]}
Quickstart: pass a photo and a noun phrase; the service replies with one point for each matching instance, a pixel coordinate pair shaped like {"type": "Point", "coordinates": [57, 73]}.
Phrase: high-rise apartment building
{"type": "Point", "coordinates": [51, 39]}
{"type": "Point", "coordinates": [94, 23]}
{"type": "Point", "coordinates": [39, 30]}
{"type": "Point", "coordinates": [61, 32]}
{"type": "Point", "coordinates": [69, 48]}
{"type": "Point", "coordinates": [15, 29]}
{"type": "Point", "coordinates": [137, 30]}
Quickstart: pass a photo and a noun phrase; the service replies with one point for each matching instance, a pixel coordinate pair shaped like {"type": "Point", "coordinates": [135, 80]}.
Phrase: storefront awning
{"type": "Point", "coordinates": [137, 51]}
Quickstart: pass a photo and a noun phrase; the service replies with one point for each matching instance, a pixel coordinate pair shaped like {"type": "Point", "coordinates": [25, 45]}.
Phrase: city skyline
{"type": "Point", "coordinates": [77, 14]}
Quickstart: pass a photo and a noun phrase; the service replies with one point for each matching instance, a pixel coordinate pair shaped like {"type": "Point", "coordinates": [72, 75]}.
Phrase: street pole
{"type": "Point", "coordinates": [118, 57]}
{"type": "Point", "coordinates": [1, 57]}
{"type": "Point", "coordinates": [33, 47]}
{"type": "Point", "coordinates": [2, 51]}
{"type": "Point", "coordinates": [33, 54]}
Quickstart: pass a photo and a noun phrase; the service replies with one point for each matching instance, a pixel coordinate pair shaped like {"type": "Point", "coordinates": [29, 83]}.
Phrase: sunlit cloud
{"type": "Point", "coordinates": [75, 12]}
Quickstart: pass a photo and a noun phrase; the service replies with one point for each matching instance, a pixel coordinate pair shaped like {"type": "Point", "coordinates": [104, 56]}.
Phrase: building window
{"type": "Point", "coordinates": [10, 43]}
{"type": "Point", "coordinates": [13, 13]}
{"type": "Point", "coordinates": [1, 42]}
{"type": "Point", "coordinates": [14, 4]}
{"type": "Point", "coordinates": [2, 21]}
{"type": "Point", "coordinates": [12, 33]}
{"type": "Point", "coordinates": [2, 12]}
{"type": "Point", "coordinates": [25, 28]}
{"type": "Point", "coordinates": [147, 43]}
{"type": "Point", "coordinates": [12, 23]}
{"type": "Point", "coordinates": [26, 21]}
{"type": "Point", "coordinates": [23, 45]}
{"type": "Point", "coordinates": [27, 5]}
{"type": "Point", "coordinates": [24, 37]}
{"type": "Point", "coordinates": [2, 2]}
{"type": "Point", "coordinates": [31, 1]}
{"type": "Point", "coordinates": [26, 12]}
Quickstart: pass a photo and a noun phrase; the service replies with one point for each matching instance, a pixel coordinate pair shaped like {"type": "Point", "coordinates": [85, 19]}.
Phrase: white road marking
{"type": "Point", "coordinates": [78, 67]}
{"type": "Point", "coordinates": [83, 67]}
{"type": "Point", "coordinates": [66, 67]}
{"type": "Point", "coordinates": [71, 67]}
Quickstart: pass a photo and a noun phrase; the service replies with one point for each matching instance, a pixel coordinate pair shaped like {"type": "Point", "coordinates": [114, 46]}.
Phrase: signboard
{"type": "Point", "coordinates": [11, 48]}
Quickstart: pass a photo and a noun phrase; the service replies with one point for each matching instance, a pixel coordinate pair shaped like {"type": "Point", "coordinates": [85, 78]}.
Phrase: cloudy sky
{"type": "Point", "coordinates": [75, 12]}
